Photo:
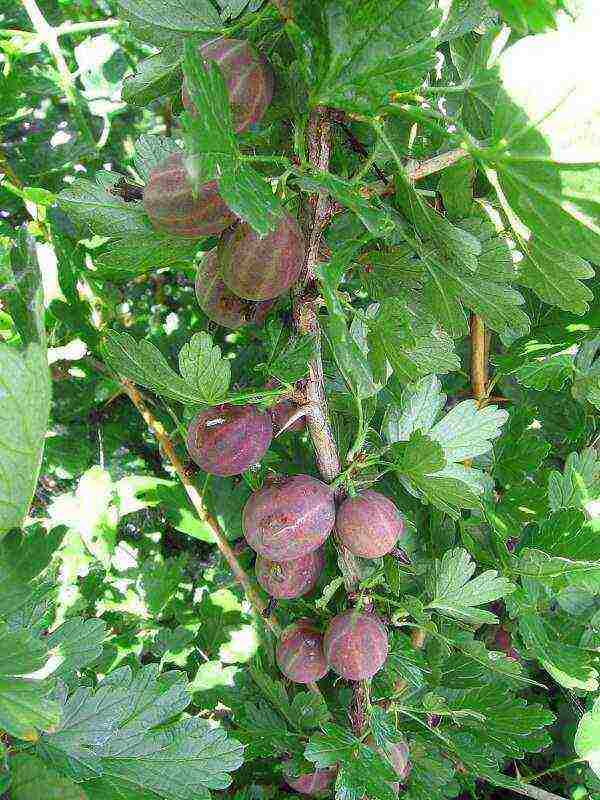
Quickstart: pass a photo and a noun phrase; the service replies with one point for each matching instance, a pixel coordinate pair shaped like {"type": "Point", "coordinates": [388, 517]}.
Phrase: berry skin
{"type": "Point", "coordinates": [369, 524]}
{"type": "Point", "coordinates": [299, 653]}
{"type": "Point", "coordinates": [289, 517]}
{"type": "Point", "coordinates": [316, 784]}
{"type": "Point", "coordinates": [173, 208]}
{"type": "Point", "coordinates": [248, 78]}
{"type": "Point", "coordinates": [262, 268]}
{"type": "Point", "coordinates": [219, 304]}
{"type": "Point", "coordinates": [227, 439]}
{"type": "Point", "coordinates": [289, 579]}
{"type": "Point", "coordinates": [355, 645]}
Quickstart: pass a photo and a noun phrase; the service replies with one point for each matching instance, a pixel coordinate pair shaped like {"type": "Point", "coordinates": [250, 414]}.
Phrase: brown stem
{"type": "Point", "coordinates": [196, 499]}
{"type": "Point", "coordinates": [479, 364]}
{"type": "Point", "coordinates": [418, 170]}
{"type": "Point", "coordinates": [305, 317]}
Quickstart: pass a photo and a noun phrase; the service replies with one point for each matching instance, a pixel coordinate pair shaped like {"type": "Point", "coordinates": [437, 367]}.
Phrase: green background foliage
{"type": "Point", "coordinates": [464, 179]}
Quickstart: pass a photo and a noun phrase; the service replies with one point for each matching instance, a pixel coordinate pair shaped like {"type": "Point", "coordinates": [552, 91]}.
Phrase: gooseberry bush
{"type": "Point", "coordinates": [299, 395]}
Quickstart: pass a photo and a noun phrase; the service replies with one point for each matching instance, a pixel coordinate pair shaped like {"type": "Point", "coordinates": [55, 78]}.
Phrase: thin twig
{"type": "Point", "coordinates": [196, 499]}
{"type": "Point", "coordinates": [48, 35]}
{"type": "Point", "coordinates": [479, 364]}
{"type": "Point", "coordinates": [69, 28]}
{"type": "Point", "coordinates": [417, 170]}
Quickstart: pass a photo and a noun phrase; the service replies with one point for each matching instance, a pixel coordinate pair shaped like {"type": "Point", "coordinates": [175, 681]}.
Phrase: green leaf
{"type": "Point", "coordinates": [122, 735]}
{"type": "Point", "coordinates": [290, 363]}
{"type": "Point", "coordinates": [143, 363]}
{"type": "Point", "coordinates": [549, 372]}
{"type": "Point", "coordinates": [173, 15]}
{"type": "Point", "coordinates": [122, 259]}
{"type": "Point", "coordinates": [420, 457]}
{"type": "Point", "coordinates": [374, 51]}
{"type": "Point", "coordinates": [309, 710]}
{"type": "Point", "coordinates": [578, 483]}
{"type": "Point", "coordinates": [23, 556]}
{"type": "Point", "coordinates": [155, 77]}
{"type": "Point", "coordinates": [556, 276]}
{"type": "Point", "coordinates": [465, 432]}
{"type": "Point", "coordinates": [456, 187]}
{"type": "Point", "coordinates": [202, 367]}
{"type": "Point", "coordinates": [471, 56]}
{"type": "Point", "coordinates": [507, 723]}
{"type": "Point", "coordinates": [570, 666]}
{"type": "Point", "coordinates": [456, 593]}
{"type": "Point", "coordinates": [524, 16]}
{"type": "Point", "coordinates": [348, 355]}
{"type": "Point", "coordinates": [249, 196]}
{"type": "Point", "coordinates": [104, 213]}
{"type": "Point", "coordinates": [466, 264]}
{"type": "Point", "coordinates": [25, 706]}
{"type": "Point", "coordinates": [213, 151]}
{"type": "Point", "coordinates": [76, 644]}
{"type": "Point", "coordinates": [22, 291]}
{"type": "Point", "coordinates": [587, 738]}
{"type": "Point", "coordinates": [544, 150]}
{"type": "Point", "coordinates": [465, 16]}
{"type": "Point", "coordinates": [362, 772]}
{"type": "Point", "coordinates": [565, 534]}
{"type": "Point", "coordinates": [33, 780]}
{"type": "Point", "coordinates": [520, 451]}
{"type": "Point", "coordinates": [377, 221]}
{"type": "Point", "coordinates": [24, 391]}
{"type": "Point", "coordinates": [264, 732]}
{"type": "Point", "coordinates": [409, 340]}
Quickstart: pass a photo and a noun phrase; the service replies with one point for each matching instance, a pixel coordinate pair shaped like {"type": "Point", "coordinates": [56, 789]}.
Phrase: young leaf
{"type": "Point", "coordinates": [465, 432]}
{"type": "Point", "coordinates": [456, 593]}
{"type": "Point", "coordinates": [143, 363]}
{"type": "Point", "coordinates": [202, 366]}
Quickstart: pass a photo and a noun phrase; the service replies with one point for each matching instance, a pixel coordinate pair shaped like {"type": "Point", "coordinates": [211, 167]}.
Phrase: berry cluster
{"type": "Point", "coordinates": [289, 519]}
